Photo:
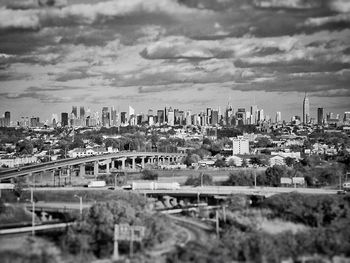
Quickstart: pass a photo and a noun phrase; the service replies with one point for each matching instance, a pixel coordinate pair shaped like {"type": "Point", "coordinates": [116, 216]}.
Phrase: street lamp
{"type": "Point", "coordinates": [33, 210]}
{"type": "Point", "coordinates": [81, 204]}
{"type": "Point", "coordinates": [255, 167]}
{"type": "Point", "coordinates": [201, 179]}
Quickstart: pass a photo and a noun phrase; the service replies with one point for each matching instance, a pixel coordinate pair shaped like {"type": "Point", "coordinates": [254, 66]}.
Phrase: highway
{"type": "Point", "coordinates": [228, 190]}
{"type": "Point", "coordinates": [25, 170]}
{"type": "Point", "coordinates": [29, 229]}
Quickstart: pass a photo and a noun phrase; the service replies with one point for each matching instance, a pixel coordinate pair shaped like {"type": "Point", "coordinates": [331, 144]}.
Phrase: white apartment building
{"type": "Point", "coordinates": [240, 145]}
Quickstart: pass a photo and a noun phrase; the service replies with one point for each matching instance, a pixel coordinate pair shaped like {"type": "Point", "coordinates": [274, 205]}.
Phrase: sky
{"type": "Point", "coordinates": [188, 54]}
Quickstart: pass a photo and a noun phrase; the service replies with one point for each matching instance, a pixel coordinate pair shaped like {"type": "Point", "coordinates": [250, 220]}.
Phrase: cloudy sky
{"type": "Point", "coordinates": [189, 54]}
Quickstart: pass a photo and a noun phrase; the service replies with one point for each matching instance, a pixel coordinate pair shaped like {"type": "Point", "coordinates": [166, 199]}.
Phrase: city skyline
{"type": "Point", "coordinates": [129, 52]}
{"type": "Point", "coordinates": [80, 110]}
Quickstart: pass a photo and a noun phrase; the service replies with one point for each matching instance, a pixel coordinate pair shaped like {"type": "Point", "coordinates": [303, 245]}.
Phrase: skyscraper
{"type": "Point", "coordinates": [75, 112]}
{"type": "Point", "coordinates": [160, 114]}
{"type": "Point", "coordinates": [306, 109]}
{"type": "Point", "coordinates": [171, 117]}
{"type": "Point", "coordinates": [278, 117]}
{"type": "Point", "coordinates": [253, 114]}
{"type": "Point", "coordinates": [320, 116]}
{"type": "Point", "coordinates": [345, 119]}
{"type": "Point", "coordinates": [114, 120]}
{"type": "Point", "coordinates": [105, 117]}
{"type": "Point", "coordinates": [64, 119]}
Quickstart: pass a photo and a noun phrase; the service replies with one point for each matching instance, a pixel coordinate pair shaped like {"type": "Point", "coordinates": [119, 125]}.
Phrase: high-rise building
{"type": "Point", "coordinates": [346, 118]}
{"type": "Point", "coordinates": [188, 118]}
{"type": "Point", "coordinates": [254, 114]}
{"type": "Point", "coordinates": [214, 117]}
{"type": "Point", "coordinates": [123, 117]}
{"type": "Point", "coordinates": [240, 145]}
{"type": "Point", "coordinates": [171, 117]}
{"type": "Point", "coordinates": [306, 110]}
{"type": "Point", "coordinates": [278, 117]}
{"type": "Point", "coordinates": [34, 122]}
{"type": "Point", "coordinates": [131, 111]}
{"type": "Point", "coordinates": [82, 112]}
{"type": "Point", "coordinates": [160, 115]}
{"type": "Point", "coordinates": [75, 112]}
{"type": "Point", "coordinates": [7, 118]}
{"type": "Point", "coordinates": [64, 119]}
{"type": "Point", "coordinates": [320, 116]}
{"type": "Point", "coordinates": [261, 116]}
{"type": "Point", "coordinates": [105, 117]}
{"type": "Point", "coordinates": [114, 120]}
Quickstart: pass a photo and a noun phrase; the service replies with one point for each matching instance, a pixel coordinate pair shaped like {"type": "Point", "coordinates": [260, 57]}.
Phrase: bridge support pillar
{"type": "Point", "coordinates": [142, 162]}
{"type": "Point", "coordinates": [123, 163]}
{"type": "Point", "coordinates": [82, 170]}
{"type": "Point", "coordinates": [95, 168]}
{"type": "Point", "coordinates": [107, 165]}
{"type": "Point", "coordinates": [133, 163]}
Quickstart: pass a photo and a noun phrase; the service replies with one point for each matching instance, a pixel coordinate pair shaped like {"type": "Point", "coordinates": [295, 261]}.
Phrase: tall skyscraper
{"type": "Point", "coordinates": [105, 117]}
{"type": "Point", "coordinates": [253, 114]}
{"type": "Point", "coordinates": [82, 112]}
{"type": "Point", "coordinates": [64, 119]}
{"type": "Point", "coordinates": [306, 109]}
{"type": "Point", "coordinates": [278, 117]}
{"type": "Point", "coordinates": [171, 117]}
{"type": "Point", "coordinates": [261, 116]}
{"type": "Point", "coordinates": [214, 117]}
{"type": "Point", "coordinates": [123, 117]}
{"type": "Point", "coordinates": [114, 119]}
{"type": "Point", "coordinates": [320, 116]}
{"type": "Point", "coordinates": [188, 118]}
{"type": "Point", "coordinates": [75, 112]}
{"type": "Point", "coordinates": [160, 115]}
{"type": "Point", "coordinates": [346, 118]}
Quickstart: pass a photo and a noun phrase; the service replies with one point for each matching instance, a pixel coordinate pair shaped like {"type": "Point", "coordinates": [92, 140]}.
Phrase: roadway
{"type": "Point", "coordinates": [228, 190]}
{"type": "Point", "coordinates": [35, 168]}
{"type": "Point", "coordinates": [207, 190]}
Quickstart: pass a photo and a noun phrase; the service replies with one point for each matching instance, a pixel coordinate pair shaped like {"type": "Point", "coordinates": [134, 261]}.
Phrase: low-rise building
{"type": "Point", "coordinates": [12, 161]}
{"type": "Point", "coordinates": [276, 160]}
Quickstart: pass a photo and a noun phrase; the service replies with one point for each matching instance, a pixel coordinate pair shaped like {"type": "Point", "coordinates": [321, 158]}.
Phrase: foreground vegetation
{"type": "Point", "coordinates": [311, 226]}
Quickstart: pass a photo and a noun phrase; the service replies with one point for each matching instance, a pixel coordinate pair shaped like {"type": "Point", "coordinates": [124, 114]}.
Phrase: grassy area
{"type": "Point", "coordinates": [11, 214]}
{"type": "Point", "coordinates": [62, 195]}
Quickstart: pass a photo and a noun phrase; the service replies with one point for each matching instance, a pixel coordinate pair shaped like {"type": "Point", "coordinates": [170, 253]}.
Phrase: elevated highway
{"type": "Point", "coordinates": [222, 191]}
{"type": "Point", "coordinates": [106, 160]}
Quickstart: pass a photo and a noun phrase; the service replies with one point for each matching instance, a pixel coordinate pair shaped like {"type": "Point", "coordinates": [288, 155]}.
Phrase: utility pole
{"type": "Point", "coordinates": [217, 223]}
{"type": "Point", "coordinates": [33, 218]}
{"type": "Point", "coordinates": [116, 248]}
{"type": "Point", "coordinates": [80, 204]}
{"type": "Point", "coordinates": [33, 210]}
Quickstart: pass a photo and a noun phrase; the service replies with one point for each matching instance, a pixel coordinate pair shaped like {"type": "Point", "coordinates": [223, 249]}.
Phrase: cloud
{"type": "Point", "coordinates": [294, 4]}
{"type": "Point", "coordinates": [320, 21]}
{"type": "Point", "coordinates": [20, 19]}
{"type": "Point", "coordinates": [341, 6]}
{"type": "Point", "coordinates": [89, 13]}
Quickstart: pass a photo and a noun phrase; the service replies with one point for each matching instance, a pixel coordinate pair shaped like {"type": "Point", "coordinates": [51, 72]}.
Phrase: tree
{"type": "Point", "coordinates": [242, 178]}
{"type": "Point", "coordinates": [191, 158]}
{"type": "Point", "coordinates": [274, 174]}
{"type": "Point", "coordinates": [197, 180]}
{"type": "Point", "coordinates": [289, 161]}
{"type": "Point", "coordinates": [220, 163]}
{"type": "Point", "coordinates": [149, 175]}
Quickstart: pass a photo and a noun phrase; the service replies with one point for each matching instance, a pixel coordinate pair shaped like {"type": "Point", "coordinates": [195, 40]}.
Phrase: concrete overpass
{"type": "Point", "coordinates": [109, 161]}
{"type": "Point", "coordinates": [223, 191]}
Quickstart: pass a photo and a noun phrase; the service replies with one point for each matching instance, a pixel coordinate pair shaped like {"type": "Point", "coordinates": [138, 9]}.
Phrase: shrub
{"type": "Point", "coordinates": [149, 175]}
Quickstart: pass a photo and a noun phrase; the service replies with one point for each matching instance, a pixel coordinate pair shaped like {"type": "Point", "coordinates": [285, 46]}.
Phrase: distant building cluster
{"type": "Point", "coordinates": [110, 117]}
